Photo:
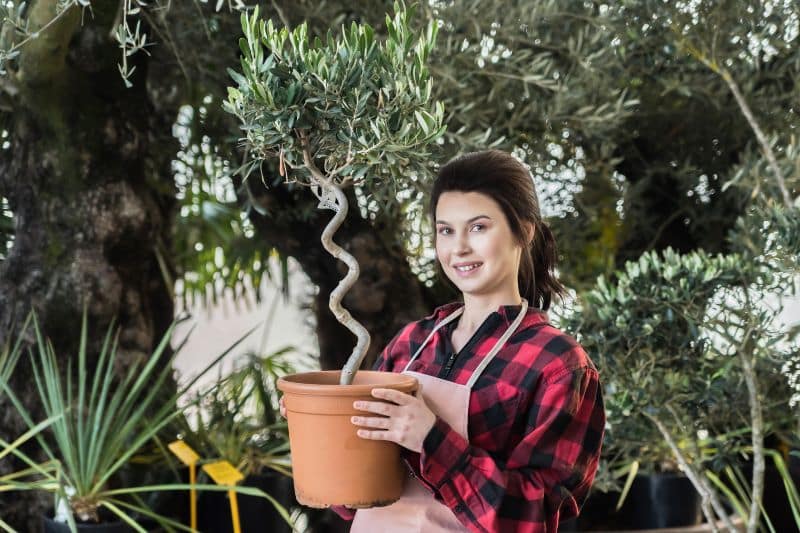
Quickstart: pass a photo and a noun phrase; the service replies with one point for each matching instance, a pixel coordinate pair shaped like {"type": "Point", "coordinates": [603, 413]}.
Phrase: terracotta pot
{"type": "Point", "coordinates": [331, 464]}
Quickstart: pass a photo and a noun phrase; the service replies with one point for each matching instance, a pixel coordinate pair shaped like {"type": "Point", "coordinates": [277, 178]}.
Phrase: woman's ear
{"type": "Point", "coordinates": [530, 231]}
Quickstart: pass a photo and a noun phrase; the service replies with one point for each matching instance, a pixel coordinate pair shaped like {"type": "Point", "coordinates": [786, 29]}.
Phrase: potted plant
{"type": "Point", "coordinates": [235, 420]}
{"type": "Point", "coordinates": [336, 113]}
{"type": "Point", "coordinates": [678, 338]}
{"type": "Point", "coordinates": [102, 419]}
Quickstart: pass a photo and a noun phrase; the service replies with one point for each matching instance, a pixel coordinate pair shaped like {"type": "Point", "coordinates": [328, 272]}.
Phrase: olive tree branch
{"type": "Point", "coordinates": [744, 107]}
{"type": "Point", "coordinates": [167, 36]}
{"type": "Point", "coordinates": [35, 34]}
{"type": "Point", "coordinates": [130, 41]}
{"type": "Point", "coordinates": [698, 480]}
{"type": "Point", "coordinates": [745, 345]}
{"type": "Point", "coordinates": [43, 51]}
{"type": "Point", "coordinates": [762, 140]}
{"type": "Point", "coordinates": [757, 420]}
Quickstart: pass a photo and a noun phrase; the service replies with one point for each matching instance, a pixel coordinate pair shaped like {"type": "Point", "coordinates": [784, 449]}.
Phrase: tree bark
{"type": "Point", "coordinates": [88, 178]}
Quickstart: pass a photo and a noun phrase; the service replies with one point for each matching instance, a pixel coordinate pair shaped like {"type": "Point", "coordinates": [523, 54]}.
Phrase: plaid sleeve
{"type": "Point", "coordinates": [547, 474]}
{"type": "Point", "coordinates": [385, 363]}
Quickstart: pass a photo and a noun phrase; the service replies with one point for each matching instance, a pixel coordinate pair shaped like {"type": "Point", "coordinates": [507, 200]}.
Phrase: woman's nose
{"type": "Point", "coordinates": [462, 245]}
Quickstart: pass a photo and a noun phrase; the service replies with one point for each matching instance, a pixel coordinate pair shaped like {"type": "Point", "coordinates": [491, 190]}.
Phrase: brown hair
{"type": "Point", "coordinates": [505, 180]}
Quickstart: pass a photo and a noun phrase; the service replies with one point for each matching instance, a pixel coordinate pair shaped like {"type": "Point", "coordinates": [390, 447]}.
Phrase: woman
{"type": "Point", "coordinates": [505, 435]}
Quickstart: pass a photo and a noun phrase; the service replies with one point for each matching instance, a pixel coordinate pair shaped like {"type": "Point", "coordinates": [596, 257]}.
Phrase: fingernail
{"type": "Point", "coordinates": [358, 405]}
{"type": "Point", "coordinates": [354, 419]}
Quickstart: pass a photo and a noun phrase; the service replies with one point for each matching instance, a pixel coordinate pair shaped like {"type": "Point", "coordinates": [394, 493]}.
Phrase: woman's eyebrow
{"type": "Point", "coordinates": [470, 221]}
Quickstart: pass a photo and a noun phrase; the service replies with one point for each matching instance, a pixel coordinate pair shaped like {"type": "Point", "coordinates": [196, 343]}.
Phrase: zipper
{"type": "Point", "coordinates": [448, 367]}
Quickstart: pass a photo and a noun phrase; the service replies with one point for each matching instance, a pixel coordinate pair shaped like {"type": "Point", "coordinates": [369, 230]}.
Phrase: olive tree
{"type": "Point", "coordinates": [677, 337]}
{"type": "Point", "coordinates": [338, 112]}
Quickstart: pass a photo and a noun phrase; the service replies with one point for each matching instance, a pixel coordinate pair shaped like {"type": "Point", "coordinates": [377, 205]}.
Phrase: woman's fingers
{"type": "Point", "coordinates": [379, 408]}
{"type": "Point", "coordinates": [400, 398]}
{"type": "Point", "coordinates": [382, 408]}
{"type": "Point", "coordinates": [406, 420]}
{"type": "Point", "coordinates": [282, 407]}
{"type": "Point", "coordinates": [372, 421]}
{"type": "Point", "coordinates": [377, 435]}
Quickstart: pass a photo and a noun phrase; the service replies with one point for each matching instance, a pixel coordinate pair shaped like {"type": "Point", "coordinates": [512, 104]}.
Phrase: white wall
{"type": "Point", "coordinates": [216, 328]}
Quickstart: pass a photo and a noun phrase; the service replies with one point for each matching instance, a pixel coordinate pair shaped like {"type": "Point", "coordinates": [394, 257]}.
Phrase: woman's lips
{"type": "Point", "coordinates": [469, 272]}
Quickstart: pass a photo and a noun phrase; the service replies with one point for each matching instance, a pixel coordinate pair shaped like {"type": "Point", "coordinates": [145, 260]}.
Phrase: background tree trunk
{"type": "Point", "coordinates": [88, 179]}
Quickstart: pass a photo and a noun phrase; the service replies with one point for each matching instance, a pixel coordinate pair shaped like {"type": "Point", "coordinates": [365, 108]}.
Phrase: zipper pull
{"type": "Point", "coordinates": [449, 365]}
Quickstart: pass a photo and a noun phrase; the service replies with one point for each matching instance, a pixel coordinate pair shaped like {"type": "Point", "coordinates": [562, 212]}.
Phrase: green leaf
{"type": "Point", "coordinates": [423, 124]}
{"type": "Point", "coordinates": [238, 78]}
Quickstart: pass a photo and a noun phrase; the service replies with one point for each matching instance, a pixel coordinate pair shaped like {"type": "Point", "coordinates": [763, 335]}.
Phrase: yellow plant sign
{"type": "Point", "coordinates": [183, 452]}
{"type": "Point", "coordinates": [189, 457]}
{"type": "Point", "coordinates": [223, 473]}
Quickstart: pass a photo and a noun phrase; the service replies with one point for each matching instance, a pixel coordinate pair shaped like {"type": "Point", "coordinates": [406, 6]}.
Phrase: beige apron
{"type": "Point", "coordinates": [417, 510]}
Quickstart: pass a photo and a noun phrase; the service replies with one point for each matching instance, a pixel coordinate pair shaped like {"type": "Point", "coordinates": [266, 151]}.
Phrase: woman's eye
{"type": "Point", "coordinates": [448, 231]}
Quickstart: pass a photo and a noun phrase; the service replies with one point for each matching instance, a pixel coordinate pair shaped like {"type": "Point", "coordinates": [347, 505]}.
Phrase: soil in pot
{"type": "Point", "coordinates": [331, 464]}
{"type": "Point", "coordinates": [660, 501]}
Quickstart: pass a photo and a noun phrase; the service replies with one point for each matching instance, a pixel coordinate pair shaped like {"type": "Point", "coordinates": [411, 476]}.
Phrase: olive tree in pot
{"type": "Point", "coordinates": [337, 112]}
{"type": "Point", "coordinates": [689, 358]}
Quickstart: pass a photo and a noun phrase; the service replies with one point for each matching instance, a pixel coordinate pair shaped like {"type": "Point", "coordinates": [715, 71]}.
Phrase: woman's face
{"type": "Point", "coordinates": [475, 245]}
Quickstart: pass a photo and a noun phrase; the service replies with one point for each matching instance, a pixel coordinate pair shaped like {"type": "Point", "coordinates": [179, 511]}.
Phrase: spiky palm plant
{"type": "Point", "coordinates": [107, 419]}
{"type": "Point", "coordinates": [36, 475]}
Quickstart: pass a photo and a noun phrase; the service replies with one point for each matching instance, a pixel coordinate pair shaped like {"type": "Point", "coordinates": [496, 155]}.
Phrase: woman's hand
{"type": "Point", "coordinates": [406, 421]}
{"type": "Point", "coordinates": [282, 407]}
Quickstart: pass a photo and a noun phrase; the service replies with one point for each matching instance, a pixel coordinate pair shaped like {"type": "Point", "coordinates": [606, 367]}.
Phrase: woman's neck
{"type": "Point", "coordinates": [477, 308]}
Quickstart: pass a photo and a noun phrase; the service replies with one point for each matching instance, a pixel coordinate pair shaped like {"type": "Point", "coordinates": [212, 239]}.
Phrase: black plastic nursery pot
{"type": "Point", "coordinates": [661, 501]}
{"type": "Point", "coordinates": [51, 526]}
{"type": "Point", "coordinates": [256, 515]}
{"type": "Point", "coordinates": [597, 513]}
{"type": "Point", "coordinates": [775, 501]}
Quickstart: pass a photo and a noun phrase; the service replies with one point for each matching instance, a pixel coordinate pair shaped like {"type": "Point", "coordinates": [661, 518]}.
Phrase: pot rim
{"type": "Point", "coordinates": [326, 382]}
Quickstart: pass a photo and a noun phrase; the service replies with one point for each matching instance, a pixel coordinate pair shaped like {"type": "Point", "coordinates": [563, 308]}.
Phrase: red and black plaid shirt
{"type": "Point", "coordinates": [536, 422]}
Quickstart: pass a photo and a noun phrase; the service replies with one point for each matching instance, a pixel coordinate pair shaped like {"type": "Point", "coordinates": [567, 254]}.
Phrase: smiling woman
{"type": "Point", "coordinates": [506, 433]}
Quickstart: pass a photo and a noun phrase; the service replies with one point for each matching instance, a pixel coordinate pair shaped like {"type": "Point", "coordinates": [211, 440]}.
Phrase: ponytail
{"type": "Point", "coordinates": [537, 278]}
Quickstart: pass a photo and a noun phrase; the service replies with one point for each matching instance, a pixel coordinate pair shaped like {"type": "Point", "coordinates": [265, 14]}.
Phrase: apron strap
{"type": "Point", "coordinates": [438, 326]}
{"type": "Point", "coordinates": [498, 345]}
{"type": "Point", "coordinates": [488, 358]}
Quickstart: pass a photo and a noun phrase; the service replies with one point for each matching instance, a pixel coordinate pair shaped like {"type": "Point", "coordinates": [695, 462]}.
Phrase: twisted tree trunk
{"type": "Point", "coordinates": [386, 296]}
